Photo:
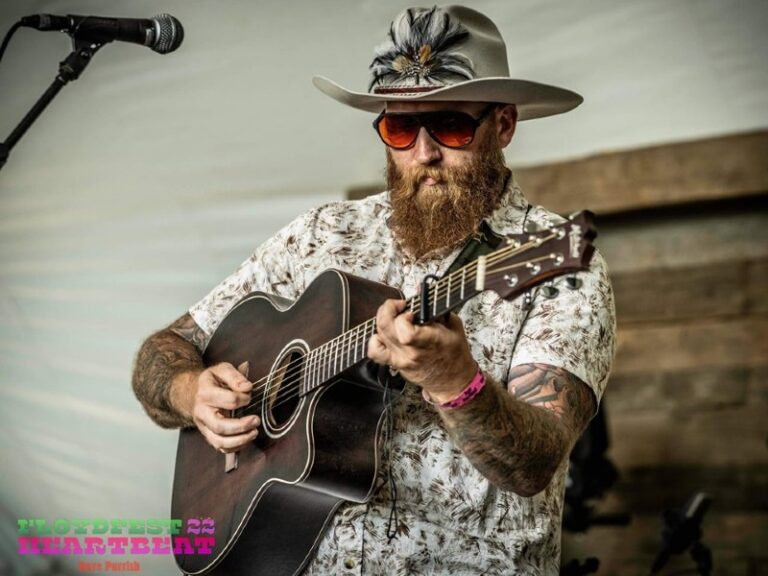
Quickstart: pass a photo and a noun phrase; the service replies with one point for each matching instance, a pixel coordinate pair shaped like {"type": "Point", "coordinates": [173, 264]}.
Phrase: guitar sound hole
{"type": "Point", "coordinates": [284, 391]}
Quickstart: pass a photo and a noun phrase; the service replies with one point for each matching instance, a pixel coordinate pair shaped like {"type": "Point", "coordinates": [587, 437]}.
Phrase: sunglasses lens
{"type": "Point", "coordinates": [398, 130]}
{"type": "Point", "coordinates": [452, 129]}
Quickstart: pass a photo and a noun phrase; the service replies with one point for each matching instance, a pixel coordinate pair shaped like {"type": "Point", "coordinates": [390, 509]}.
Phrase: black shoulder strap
{"type": "Point", "coordinates": [484, 242]}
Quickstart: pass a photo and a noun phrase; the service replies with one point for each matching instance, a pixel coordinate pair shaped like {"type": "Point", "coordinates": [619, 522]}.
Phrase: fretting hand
{"type": "Point", "coordinates": [434, 356]}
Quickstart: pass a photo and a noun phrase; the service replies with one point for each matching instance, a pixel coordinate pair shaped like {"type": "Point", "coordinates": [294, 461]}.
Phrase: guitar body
{"type": "Point", "coordinates": [313, 451]}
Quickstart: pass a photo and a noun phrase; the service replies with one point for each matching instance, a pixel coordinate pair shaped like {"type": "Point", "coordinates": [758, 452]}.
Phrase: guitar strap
{"type": "Point", "coordinates": [484, 242]}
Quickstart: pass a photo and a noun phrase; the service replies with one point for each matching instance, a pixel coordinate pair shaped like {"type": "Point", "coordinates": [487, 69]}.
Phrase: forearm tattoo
{"type": "Point", "coordinates": [517, 438]}
{"type": "Point", "coordinates": [162, 357]}
{"type": "Point", "coordinates": [556, 390]}
{"type": "Point", "coordinates": [188, 329]}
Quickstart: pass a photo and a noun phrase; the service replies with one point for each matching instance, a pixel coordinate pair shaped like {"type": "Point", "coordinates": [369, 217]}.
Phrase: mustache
{"type": "Point", "coordinates": [415, 175]}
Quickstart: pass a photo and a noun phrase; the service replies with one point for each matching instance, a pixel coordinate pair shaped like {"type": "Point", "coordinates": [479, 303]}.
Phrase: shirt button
{"type": "Point", "coordinates": [349, 563]}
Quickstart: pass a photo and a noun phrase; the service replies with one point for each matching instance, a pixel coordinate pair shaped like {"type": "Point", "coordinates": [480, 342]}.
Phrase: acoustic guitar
{"type": "Point", "coordinates": [322, 402]}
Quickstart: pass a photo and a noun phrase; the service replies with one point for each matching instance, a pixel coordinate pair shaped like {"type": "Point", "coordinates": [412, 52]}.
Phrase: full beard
{"type": "Point", "coordinates": [427, 218]}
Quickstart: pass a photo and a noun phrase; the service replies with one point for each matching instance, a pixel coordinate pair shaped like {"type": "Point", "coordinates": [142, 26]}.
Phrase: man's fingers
{"type": "Point", "coordinates": [227, 443]}
{"type": "Point", "coordinates": [226, 434]}
{"type": "Point", "coordinates": [387, 317]}
{"type": "Point", "coordinates": [223, 398]}
{"type": "Point", "coordinates": [405, 331]}
{"type": "Point", "coordinates": [224, 426]}
{"type": "Point", "coordinates": [228, 375]}
{"type": "Point", "coordinates": [377, 350]}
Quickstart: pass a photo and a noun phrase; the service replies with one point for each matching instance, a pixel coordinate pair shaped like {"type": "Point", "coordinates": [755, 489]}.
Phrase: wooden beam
{"type": "Point", "coordinates": [714, 168]}
{"type": "Point", "coordinates": [721, 289]}
{"type": "Point", "coordinates": [678, 391]}
{"type": "Point", "coordinates": [728, 436]}
{"type": "Point", "coordinates": [730, 343]}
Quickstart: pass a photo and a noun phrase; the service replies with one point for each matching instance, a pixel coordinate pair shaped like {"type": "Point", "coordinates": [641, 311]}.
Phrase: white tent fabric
{"type": "Point", "coordinates": [152, 177]}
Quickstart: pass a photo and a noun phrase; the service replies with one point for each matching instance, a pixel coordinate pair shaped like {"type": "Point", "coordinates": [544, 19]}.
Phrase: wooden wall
{"type": "Point", "coordinates": [684, 228]}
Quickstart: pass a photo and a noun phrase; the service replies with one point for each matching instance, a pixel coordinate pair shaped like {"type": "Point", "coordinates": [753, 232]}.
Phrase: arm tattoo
{"type": "Point", "coordinates": [517, 439]}
{"type": "Point", "coordinates": [188, 329]}
{"type": "Point", "coordinates": [162, 357]}
{"type": "Point", "coordinates": [556, 390]}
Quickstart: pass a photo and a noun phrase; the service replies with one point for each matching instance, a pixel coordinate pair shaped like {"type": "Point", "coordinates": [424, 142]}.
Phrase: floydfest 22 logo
{"type": "Point", "coordinates": [97, 537]}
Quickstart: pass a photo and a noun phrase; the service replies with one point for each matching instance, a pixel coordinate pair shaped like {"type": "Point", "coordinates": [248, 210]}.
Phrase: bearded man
{"type": "Point", "coordinates": [497, 394]}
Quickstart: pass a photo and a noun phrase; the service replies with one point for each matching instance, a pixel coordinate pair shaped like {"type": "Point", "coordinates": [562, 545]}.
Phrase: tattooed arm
{"type": "Point", "coordinates": [518, 438]}
{"type": "Point", "coordinates": [177, 390]}
{"type": "Point", "coordinates": [166, 366]}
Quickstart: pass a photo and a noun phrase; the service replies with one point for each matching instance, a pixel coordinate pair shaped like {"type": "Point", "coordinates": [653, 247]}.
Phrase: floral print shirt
{"type": "Point", "coordinates": [450, 519]}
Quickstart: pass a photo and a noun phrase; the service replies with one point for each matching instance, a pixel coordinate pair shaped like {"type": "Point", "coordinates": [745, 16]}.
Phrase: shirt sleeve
{"type": "Point", "coordinates": [271, 269]}
{"type": "Point", "coordinates": [575, 330]}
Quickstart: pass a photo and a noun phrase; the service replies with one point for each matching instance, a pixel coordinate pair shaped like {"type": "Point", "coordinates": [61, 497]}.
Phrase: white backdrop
{"type": "Point", "coordinates": [151, 177]}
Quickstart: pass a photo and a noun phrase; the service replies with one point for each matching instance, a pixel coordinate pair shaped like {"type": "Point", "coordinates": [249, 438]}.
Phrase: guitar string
{"type": "Point", "coordinates": [323, 361]}
{"type": "Point", "coordinates": [324, 352]}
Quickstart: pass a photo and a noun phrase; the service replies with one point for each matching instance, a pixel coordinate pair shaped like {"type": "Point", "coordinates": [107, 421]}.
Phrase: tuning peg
{"type": "Point", "coordinates": [573, 282]}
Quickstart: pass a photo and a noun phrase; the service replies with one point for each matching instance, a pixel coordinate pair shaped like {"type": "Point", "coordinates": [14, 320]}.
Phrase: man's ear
{"type": "Point", "coordinates": [506, 123]}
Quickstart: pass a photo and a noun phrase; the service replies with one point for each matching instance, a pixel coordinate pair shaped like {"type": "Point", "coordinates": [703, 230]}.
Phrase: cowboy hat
{"type": "Point", "coordinates": [448, 53]}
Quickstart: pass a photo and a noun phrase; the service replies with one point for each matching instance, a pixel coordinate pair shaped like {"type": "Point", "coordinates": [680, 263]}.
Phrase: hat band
{"type": "Point", "coordinates": [406, 90]}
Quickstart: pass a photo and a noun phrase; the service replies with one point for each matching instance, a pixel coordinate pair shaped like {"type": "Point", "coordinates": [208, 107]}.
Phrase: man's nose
{"type": "Point", "coordinates": [426, 151]}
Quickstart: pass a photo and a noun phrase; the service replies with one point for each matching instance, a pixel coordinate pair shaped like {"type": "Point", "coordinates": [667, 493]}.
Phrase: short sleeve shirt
{"type": "Point", "coordinates": [451, 520]}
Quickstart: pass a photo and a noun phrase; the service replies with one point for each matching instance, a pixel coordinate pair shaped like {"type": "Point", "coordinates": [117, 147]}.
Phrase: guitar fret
{"type": "Point", "coordinates": [307, 371]}
{"type": "Point", "coordinates": [342, 351]}
{"type": "Point", "coordinates": [313, 373]}
{"type": "Point", "coordinates": [326, 358]}
{"type": "Point", "coordinates": [448, 293]}
{"type": "Point", "coordinates": [463, 276]}
{"type": "Point", "coordinates": [435, 297]}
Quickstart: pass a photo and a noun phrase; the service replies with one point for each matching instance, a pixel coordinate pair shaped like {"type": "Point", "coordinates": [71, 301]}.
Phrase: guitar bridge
{"type": "Point", "coordinates": [230, 462]}
{"type": "Point", "coordinates": [230, 458]}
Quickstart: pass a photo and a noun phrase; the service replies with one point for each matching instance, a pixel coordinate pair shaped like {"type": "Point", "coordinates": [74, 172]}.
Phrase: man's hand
{"type": "Point", "coordinates": [219, 389]}
{"type": "Point", "coordinates": [435, 356]}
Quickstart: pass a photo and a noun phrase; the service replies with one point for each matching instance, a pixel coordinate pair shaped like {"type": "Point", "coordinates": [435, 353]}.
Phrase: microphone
{"type": "Point", "coordinates": [163, 33]}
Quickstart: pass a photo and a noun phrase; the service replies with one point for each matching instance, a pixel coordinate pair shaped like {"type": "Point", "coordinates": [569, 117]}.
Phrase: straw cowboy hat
{"type": "Point", "coordinates": [448, 53]}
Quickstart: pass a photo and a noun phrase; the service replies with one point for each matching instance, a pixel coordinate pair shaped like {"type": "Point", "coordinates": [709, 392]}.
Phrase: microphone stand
{"type": "Point", "coordinates": [69, 69]}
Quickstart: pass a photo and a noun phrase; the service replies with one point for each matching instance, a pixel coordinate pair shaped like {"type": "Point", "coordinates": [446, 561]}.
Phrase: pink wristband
{"type": "Point", "coordinates": [473, 389]}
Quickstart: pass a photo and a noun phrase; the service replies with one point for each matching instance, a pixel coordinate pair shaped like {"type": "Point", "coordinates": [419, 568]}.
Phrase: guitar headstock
{"type": "Point", "coordinates": [525, 260]}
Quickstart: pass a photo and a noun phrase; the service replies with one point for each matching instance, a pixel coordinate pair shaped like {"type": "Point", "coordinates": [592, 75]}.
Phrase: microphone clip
{"type": "Point", "coordinates": [73, 65]}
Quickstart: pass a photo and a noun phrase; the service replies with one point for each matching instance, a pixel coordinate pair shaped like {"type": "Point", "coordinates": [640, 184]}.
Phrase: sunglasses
{"type": "Point", "coordinates": [448, 128]}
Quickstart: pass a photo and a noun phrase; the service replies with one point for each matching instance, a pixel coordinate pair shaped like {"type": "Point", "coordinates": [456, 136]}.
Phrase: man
{"type": "Point", "coordinates": [497, 394]}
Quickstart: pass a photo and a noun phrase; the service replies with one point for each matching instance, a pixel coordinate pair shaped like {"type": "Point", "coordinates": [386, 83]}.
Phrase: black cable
{"type": "Point", "coordinates": [7, 38]}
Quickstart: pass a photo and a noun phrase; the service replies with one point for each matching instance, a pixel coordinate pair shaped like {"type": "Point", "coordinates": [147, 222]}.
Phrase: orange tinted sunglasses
{"type": "Point", "coordinates": [449, 128]}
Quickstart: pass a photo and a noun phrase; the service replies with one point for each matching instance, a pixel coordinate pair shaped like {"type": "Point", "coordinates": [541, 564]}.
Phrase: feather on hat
{"type": "Point", "coordinates": [450, 53]}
